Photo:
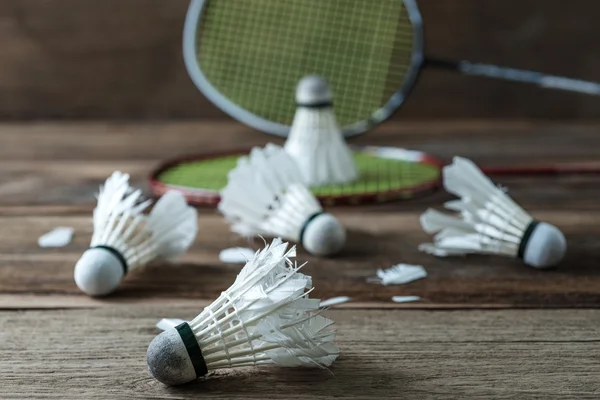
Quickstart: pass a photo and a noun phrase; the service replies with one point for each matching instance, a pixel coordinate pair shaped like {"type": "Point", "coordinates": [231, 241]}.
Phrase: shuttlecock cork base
{"type": "Point", "coordinates": [100, 270]}
{"type": "Point", "coordinates": [542, 245]}
{"type": "Point", "coordinates": [313, 92]}
{"type": "Point", "coordinates": [323, 234]}
{"type": "Point", "coordinates": [174, 357]}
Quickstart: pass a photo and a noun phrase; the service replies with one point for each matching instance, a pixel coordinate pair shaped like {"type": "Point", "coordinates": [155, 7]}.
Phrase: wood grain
{"type": "Point", "coordinates": [49, 174]}
{"type": "Point", "coordinates": [122, 59]}
{"type": "Point", "coordinates": [51, 165]}
{"type": "Point", "coordinates": [384, 355]}
{"type": "Point", "coordinates": [376, 240]}
{"type": "Point", "coordinates": [59, 344]}
{"type": "Point", "coordinates": [488, 142]}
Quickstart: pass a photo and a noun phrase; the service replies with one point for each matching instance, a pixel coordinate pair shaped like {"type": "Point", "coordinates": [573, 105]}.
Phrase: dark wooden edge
{"type": "Point", "coordinates": [544, 169]}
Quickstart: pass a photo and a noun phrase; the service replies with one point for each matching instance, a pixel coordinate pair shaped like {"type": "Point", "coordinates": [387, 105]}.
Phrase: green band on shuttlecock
{"type": "Point", "coordinates": [193, 348]}
{"type": "Point", "coordinates": [117, 254]}
{"type": "Point", "coordinates": [323, 104]}
{"type": "Point", "coordinates": [525, 238]}
{"type": "Point", "coordinates": [308, 221]}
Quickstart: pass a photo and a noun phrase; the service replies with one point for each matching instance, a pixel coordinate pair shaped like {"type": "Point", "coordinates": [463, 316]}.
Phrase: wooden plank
{"type": "Point", "coordinates": [122, 59]}
{"type": "Point", "coordinates": [376, 240]}
{"type": "Point", "coordinates": [519, 141]}
{"type": "Point", "coordinates": [54, 302]}
{"type": "Point", "coordinates": [384, 355]}
{"type": "Point", "coordinates": [50, 167]}
{"type": "Point", "coordinates": [68, 187]}
{"type": "Point", "coordinates": [49, 176]}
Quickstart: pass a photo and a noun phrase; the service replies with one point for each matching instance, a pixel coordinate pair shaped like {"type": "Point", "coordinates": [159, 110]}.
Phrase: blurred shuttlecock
{"type": "Point", "coordinates": [125, 238]}
{"type": "Point", "coordinates": [489, 222]}
{"type": "Point", "coordinates": [265, 317]}
{"type": "Point", "coordinates": [316, 141]}
{"type": "Point", "coordinates": [266, 195]}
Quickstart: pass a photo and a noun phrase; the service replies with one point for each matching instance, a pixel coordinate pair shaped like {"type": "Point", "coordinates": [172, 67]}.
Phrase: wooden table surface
{"type": "Point", "coordinates": [486, 327]}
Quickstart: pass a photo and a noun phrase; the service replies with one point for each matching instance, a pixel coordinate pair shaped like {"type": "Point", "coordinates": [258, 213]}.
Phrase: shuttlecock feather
{"type": "Point", "coordinates": [265, 317]}
{"type": "Point", "coordinates": [316, 141]}
{"type": "Point", "coordinates": [126, 238]}
{"type": "Point", "coordinates": [399, 274]}
{"type": "Point", "coordinates": [267, 196]}
{"type": "Point", "coordinates": [488, 222]}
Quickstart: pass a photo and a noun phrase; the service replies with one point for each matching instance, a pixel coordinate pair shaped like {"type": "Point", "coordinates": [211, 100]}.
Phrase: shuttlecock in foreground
{"type": "Point", "coordinates": [489, 222]}
{"type": "Point", "coordinates": [125, 238]}
{"type": "Point", "coordinates": [316, 141]}
{"type": "Point", "coordinates": [266, 195]}
{"type": "Point", "coordinates": [265, 317]}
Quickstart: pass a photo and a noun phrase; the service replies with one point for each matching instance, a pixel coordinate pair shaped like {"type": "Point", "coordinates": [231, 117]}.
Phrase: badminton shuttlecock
{"type": "Point", "coordinates": [489, 222]}
{"type": "Point", "coordinates": [125, 238]}
{"type": "Point", "coordinates": [266, 196]}
{"type": "Point", "coordinates": [265, 317]}
{"type": "Point", "coordinates": [316, 141]}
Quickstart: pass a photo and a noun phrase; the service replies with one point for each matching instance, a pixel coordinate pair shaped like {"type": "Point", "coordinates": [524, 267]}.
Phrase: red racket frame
{"type": "Point", "coordinates": [195, 197]}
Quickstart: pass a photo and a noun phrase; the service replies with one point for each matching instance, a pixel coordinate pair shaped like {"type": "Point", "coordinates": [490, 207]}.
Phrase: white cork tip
{"type": "Point", "coordinates": [546, 247]}
{"type": "Point", "coordinates": [324, 235]}
{"type": "Point", "coordinates": [98, 272]}
{"type": "Point", "coordinates": [313, 90]}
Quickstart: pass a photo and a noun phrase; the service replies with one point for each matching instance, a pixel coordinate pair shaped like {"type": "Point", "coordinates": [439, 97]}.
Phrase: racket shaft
{"type": "Point", "coordinates": [518, 75]}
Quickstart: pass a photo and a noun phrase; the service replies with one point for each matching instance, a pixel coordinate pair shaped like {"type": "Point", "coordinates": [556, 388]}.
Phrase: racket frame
{"type": "Point", "coordinates": [198, 77]}
{"type": "Point", "coordinates": [210, 197]}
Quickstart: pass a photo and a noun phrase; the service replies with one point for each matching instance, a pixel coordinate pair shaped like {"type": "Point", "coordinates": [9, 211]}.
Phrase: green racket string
{"type": "Point", "coordinates": [255, 51]}
{"type": "Point", "coordinates": [376, 175]}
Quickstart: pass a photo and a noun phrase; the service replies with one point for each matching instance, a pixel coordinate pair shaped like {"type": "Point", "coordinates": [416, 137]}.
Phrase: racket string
{"type": "Point", "coordinates": [255, 52]}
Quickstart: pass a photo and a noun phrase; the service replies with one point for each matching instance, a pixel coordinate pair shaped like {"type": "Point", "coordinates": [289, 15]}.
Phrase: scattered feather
{"type": "Point", "coordinates": [405, 299]}
{"type": "Point", "coordinates": [57, 237]}
{"type": "Point", "coordinates": [398, 274]}
{"type": "Point", "coordinates": [168, 323]}
{"type": "Point", "coordinates": [236, 255]}
{"type": "Point", "coordinates": [334, 301]}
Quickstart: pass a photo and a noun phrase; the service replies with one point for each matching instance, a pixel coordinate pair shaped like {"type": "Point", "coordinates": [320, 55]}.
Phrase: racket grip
{"type": "Point", "coordinates": [536, 78]}
{"type": "Point", "coordinates": [572, 85]}
{"type": "Point", "coordinates": [518, 75]}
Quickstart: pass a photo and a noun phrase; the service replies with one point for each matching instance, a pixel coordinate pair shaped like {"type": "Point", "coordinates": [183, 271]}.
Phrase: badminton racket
{"type": "Point", "coordinates": [247, 56]}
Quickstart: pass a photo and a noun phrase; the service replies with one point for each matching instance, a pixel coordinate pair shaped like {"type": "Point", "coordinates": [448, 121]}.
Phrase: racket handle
{"type": "Point", "coordinates": [517, 75]}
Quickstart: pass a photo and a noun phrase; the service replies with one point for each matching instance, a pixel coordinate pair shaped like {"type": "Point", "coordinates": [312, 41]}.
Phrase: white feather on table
{"type": "Point", "coordinates": [399, 274]}
{"type": "Point", "coordinates": [57, 237]}
{"type": "Point", "coordinates": [405, 299]}
{"type": "Point", "coordinates": [334, 301]}
{"type": "Point", "coordinates": [236, 255]}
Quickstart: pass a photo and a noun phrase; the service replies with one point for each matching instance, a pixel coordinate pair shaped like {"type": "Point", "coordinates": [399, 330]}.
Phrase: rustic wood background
{"type": "Point", "coordinates": [121, 59]}
{"type": "Point", "coordinates": [48, 178]}
{"type": "Point", "coordinates": [386, 354]}
{"type": "Point", "coordinates": [486, 327]}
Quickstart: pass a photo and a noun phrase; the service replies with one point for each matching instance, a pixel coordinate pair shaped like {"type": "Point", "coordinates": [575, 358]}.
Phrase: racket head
{"type": "Point", "coordinates": [247, 57]}
{"type": "Point", "coordinates": [387, 174]}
